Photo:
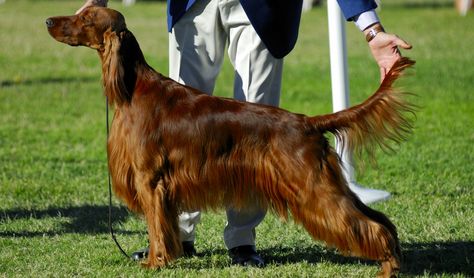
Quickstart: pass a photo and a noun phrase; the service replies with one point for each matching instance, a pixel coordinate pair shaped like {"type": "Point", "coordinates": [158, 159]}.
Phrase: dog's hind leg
{"type": "Point", "coordinates": [162, 223]}
{"type": "Point", "coordinates": [393, 263]}
{"type": "Point", "coordinates": [332, 213]}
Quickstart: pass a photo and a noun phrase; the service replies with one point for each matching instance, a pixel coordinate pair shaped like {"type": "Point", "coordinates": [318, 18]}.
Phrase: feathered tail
{"type": "Point", "coordinates": [382, 118]}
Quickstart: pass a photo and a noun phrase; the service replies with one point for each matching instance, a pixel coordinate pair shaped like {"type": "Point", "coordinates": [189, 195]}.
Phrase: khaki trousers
{"type": "Point", "coordinates": [197, 45]}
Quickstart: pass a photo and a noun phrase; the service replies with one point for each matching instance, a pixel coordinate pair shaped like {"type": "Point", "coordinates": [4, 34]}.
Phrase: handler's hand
{"type": "Point", "coordinates": [89, 3]}
{"type": "Point", "coordinates": [384, 48]}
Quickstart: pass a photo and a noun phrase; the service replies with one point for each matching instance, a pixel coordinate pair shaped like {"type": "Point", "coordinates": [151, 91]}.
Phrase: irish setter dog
{"type": "Point", "coordinates": [173, 148]}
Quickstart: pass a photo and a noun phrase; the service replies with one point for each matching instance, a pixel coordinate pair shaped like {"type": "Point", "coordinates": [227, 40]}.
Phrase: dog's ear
{"type": "Point", "coordinates": [113, 69]}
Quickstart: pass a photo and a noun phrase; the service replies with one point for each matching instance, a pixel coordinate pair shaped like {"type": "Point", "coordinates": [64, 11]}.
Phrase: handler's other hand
{"type": "Point", "coordinates": [89, 3]}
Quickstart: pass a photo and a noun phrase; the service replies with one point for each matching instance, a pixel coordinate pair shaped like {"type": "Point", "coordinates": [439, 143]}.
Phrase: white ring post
{"type": "Point", "coordinates": [339, 75]}
{"type": "Point", "coordinates": [340, 98]}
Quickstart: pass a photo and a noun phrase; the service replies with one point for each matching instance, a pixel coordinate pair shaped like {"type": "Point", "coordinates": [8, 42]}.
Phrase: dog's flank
{"type": "Point", "coordinates": [174, 148]}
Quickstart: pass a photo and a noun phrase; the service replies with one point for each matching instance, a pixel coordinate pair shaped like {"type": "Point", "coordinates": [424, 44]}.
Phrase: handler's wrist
{"type": "Point", "coordinates": [372, 31]}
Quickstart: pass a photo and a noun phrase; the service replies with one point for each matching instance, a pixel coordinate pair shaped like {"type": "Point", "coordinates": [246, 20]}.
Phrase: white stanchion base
{"type": "Point", "coordinates": [368, 195]}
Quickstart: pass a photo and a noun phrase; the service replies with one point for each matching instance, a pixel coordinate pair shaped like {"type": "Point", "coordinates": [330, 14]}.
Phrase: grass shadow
{"type": "Point", "coordinates": [47, 80]}
{"type": "Point", "coordinates": [438, 258]}
{"type": "Point", "coordinates": [434, 258]}
{"type": "Point", "coordinates": [86, 219]}
{"type": "Point", "coordinates": [311, 254]}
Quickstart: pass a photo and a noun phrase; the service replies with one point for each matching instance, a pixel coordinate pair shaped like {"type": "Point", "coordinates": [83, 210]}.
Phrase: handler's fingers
{"type": "Point", "coordinates": [83, 7]}
{"type": "Point", "coordinates": [383, 72]}
{"type": "Point", "coordinates": [403, 44]}
{"type": "Point", "coordinates": [91, 3]}
{"type": "Point", "coordinates": [80, 10]}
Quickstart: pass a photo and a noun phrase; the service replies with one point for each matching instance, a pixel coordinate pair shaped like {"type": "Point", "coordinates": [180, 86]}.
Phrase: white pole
{"type": "Point", "coordinates": [339, 75]}
{"type": "Point", "coordinates": [340, 98]}
{"type": "Point", "coordinates": [338, 56]}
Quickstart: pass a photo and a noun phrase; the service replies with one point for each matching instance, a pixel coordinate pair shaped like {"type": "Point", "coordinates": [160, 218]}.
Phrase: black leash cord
{"type": "Point", "coordinates": [110, 183]}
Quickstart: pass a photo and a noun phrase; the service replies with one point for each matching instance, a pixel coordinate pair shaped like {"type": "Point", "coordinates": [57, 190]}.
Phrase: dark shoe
{"type": "Point", "coordinates": [188, 250]}
{"type": "Point", "coordinates": [140, 254]}
{"type": "Point", "coordinates": [246, 255]}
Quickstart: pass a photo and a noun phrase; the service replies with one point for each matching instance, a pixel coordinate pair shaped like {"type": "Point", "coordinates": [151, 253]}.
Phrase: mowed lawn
{"type": "Point", "coordinates": [53, 175]}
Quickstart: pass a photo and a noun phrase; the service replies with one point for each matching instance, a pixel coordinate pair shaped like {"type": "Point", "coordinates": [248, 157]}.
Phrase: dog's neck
{"type": "Point", "coordinates": [122, 65]}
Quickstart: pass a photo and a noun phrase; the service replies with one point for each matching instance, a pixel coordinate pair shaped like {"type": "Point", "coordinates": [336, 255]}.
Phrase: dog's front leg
{"type": "Point", "coordinates": [162, 222]}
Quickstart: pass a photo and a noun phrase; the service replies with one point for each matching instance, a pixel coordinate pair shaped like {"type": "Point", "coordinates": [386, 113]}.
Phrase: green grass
{"type": "Point", "coordinates": [53, 189]}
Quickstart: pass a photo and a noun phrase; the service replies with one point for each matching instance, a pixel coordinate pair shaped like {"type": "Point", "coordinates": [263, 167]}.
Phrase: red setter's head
{"type": "Point", "coordinates": [93, 27]}
{"type": "Point", "coordinates": [104, 30]}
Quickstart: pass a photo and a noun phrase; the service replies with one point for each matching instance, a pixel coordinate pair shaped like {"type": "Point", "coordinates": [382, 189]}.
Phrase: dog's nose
{"type": "Point", "coordinates": [49, 22]}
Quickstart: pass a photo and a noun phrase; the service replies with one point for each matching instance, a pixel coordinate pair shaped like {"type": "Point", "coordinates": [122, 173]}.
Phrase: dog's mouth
{"type": "Point", "coordinates": [68, 41]}
{"type": "Point", "coordinates": [65, 39]}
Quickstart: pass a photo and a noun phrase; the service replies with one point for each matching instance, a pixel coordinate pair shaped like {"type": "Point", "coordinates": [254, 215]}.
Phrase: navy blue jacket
{"type": "Point", "coordinates": [276, 21]}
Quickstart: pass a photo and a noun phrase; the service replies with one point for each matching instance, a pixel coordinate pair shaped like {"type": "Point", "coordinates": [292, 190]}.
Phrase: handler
{"type": "Point", "coordinates": [258, 34]}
